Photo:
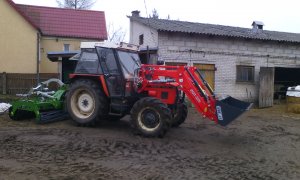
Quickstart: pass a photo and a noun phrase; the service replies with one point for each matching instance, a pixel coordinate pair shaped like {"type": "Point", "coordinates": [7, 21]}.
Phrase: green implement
{"type": "Point", "coordinates": [40, 103]}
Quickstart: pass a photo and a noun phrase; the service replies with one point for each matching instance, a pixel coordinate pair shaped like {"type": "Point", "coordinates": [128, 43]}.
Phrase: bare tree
{"type": "Point", "coordinates": [76, 4]}
{"type": "Point", "coordinates": [115, 35]}
{"type": "Point", "coordinates": [154, 14]}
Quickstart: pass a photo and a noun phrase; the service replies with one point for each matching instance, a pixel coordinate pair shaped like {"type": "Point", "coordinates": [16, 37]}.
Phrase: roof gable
{"type": "Point", "coordinates": [13, 5]}
{"type": "Point", "coordinates": [217, 30]}
{"type": "Point", "coordinates": [60, 22]}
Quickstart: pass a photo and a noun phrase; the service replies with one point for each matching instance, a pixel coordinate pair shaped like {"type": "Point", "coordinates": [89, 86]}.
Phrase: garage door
{"type": "Point", "coordinates": [208, 73]}
{"type": "Point", "coordinates": [266, 87]}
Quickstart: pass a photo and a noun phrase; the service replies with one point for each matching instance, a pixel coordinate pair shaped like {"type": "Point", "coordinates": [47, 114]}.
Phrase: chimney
{"type": "Point", "coordinates": [135, 13]}
{"type": "Point", "coordinates": [257, 25]}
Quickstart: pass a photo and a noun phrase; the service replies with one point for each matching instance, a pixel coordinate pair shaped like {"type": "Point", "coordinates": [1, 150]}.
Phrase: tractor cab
{"type": "Point", "coordinates": [117, 64]}
{"type": "Point", "coordinates": [109, 59]}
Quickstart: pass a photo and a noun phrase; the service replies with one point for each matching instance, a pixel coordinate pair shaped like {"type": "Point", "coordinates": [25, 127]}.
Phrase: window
{"type": "Point", "coordinates": [108, 61]}
{"type": "Point", "coordinates": [141, 39]}
{"type": "Point", "coordinates": [88, 63]}
{"type": "Point", "coordinates": [245, 73]}
{"type": "Point", "coordinates": [66, 47]}
{"type": "Point", "coordinates": [89, 56]}
{"type": "Point", "coordinates": [129, 63]}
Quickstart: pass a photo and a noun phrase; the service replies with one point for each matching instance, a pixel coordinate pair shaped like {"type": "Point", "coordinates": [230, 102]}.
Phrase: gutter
{"type": "Point", "coordinates": [38, 57]}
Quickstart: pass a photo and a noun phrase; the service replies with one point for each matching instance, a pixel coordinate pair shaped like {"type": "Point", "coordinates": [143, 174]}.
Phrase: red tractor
{"type": "Point", "coordinates": [109, 82]}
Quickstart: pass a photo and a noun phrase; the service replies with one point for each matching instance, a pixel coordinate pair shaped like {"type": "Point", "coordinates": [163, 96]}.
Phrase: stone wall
{"type": "Point", "coordinates": [226, 54]}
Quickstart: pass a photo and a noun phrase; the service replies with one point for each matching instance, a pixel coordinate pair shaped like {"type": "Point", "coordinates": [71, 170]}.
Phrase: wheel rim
{"type": "Point", "coordinates": [149, 119]}
{"type": "Point", "coordinates": [82, 103]}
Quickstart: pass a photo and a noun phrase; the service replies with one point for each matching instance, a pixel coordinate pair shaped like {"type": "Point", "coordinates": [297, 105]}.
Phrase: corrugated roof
{"type": "Point", "coordinates": [217, 30]}
{"type": "Point", "coordinates": [62, 22]}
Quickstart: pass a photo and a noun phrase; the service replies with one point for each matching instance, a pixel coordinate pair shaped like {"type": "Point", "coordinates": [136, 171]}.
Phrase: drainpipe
{"type": "Point", "coordinates": [148, 55]}
{"type": "Point", "coordinates": [38, 57]}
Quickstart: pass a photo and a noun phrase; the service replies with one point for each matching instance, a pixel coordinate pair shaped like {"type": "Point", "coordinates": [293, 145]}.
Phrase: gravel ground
{"type": "Point", "coordinates": [263, 144]}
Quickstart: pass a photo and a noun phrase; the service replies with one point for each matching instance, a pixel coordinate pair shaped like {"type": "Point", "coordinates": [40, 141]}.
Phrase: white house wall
{"type": "Point", "coordinates": [226, 54]}
{"type": "Point", "coordinates": [150, 34]}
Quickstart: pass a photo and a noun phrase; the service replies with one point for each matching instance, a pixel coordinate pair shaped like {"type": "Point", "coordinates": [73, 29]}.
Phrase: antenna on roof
{"type": "Point", "coordinates": [146, 8]}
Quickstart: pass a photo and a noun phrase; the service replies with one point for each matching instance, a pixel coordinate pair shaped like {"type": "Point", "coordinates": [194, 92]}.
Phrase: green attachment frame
{"type": "Point", "coordinates": [33, 106]}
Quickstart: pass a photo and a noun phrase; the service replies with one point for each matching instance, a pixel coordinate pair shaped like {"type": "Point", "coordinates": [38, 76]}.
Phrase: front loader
{"type": "Point", "coordinates": [109, 82]}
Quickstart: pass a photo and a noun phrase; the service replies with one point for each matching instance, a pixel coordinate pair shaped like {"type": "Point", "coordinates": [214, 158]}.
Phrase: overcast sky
{"type": "Point", "coordinates": [277, 15]}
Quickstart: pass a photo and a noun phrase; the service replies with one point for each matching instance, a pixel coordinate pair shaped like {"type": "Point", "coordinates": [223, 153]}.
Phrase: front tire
{"type": "Point", "coordinates": [150, 117]}
{"type": "Point", "coordinates": [86, 102]}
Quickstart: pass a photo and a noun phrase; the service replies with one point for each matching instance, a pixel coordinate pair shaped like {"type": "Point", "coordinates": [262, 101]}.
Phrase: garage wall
{"type": "Point", "coordinates": [226, 54]}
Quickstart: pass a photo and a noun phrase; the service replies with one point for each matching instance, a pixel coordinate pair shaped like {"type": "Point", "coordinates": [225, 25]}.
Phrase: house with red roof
{"type": "Point", "coordinates": [28, 33]}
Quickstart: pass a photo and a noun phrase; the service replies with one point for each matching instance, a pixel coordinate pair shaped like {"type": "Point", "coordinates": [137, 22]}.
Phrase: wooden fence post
{"type": "Point", "coordinates": [4, 83]}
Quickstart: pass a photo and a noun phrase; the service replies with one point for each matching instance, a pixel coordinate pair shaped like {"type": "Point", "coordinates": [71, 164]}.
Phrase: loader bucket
{"type": "Point", "coordinates": [229, 109]}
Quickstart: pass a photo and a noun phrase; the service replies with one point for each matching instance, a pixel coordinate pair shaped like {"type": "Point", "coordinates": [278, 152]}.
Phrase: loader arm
{"type": "Point", "coordinates": [153, 78]}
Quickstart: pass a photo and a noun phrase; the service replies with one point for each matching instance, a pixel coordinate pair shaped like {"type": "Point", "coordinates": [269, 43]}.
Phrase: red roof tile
{"type": "Point", "coordinates": [65, 22]}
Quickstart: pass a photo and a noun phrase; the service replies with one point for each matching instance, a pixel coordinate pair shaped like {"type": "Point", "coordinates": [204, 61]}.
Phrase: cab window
{"type": "Point", "coordinates": [129, 62]}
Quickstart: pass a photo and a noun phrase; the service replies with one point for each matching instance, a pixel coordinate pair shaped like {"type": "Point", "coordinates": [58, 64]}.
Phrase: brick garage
{"type": "Point", "coordinates": [236, 53]}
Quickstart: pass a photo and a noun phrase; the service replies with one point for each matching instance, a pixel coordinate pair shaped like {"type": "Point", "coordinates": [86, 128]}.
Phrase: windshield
{"type": "Point", "coordinates": [88, 63]}
{"type": "Point", "coordinates": [130, 62]}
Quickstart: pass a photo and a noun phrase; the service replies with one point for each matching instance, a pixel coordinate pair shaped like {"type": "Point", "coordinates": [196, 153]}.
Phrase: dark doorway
{"type": "Point", "coordinates": [148, 55]}
{"type": "Point", "coordinates": [284, 78]}
{"type": "Point", "coordinates": [68, 67]}
{"type": "Point", "coordinates": [68, 61]}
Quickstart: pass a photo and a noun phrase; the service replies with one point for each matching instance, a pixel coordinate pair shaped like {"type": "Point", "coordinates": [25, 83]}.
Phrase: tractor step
{"type": "Point", "coordinates": [52, 116]}
{"type": "Point", "coordinates": [118, 109]}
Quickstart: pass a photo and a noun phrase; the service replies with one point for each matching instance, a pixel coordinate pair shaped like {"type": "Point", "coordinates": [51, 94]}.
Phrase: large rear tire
{"type": "Point", "coordinates": [150, 117]}
{"type": "Point", "coordinates": [86, 102]}
{"type": "Point", "coordinates": [179, 116]}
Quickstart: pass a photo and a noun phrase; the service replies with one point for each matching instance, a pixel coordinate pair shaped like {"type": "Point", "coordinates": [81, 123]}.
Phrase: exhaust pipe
{"type": "Point", "coordinates": [229, 109]}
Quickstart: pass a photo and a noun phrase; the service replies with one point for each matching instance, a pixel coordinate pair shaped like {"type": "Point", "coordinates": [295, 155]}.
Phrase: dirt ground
{"type": "Point", "coordinates": [263, 144]}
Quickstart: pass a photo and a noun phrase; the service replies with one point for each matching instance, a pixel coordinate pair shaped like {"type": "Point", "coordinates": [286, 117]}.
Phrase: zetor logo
{"type": "Point", "coordinates": [219, 113]}
{"type": "Point", "coordinates": [195, 95]}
